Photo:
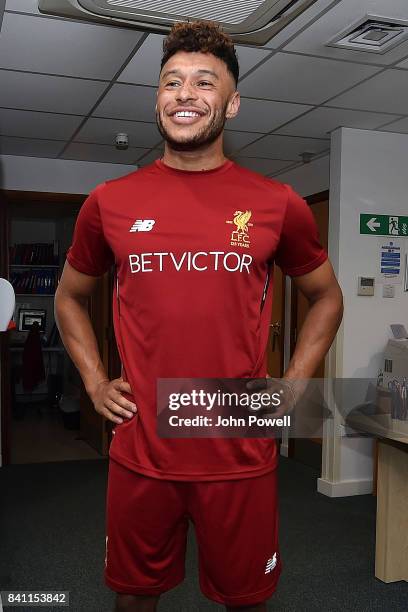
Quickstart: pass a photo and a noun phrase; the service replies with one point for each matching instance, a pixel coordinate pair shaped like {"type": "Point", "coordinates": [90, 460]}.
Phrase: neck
{"type": "Point", "coordinates": [205, 158]}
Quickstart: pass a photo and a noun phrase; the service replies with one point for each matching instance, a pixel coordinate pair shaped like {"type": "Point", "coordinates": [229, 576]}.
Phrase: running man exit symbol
{"type": "Point", "coordinates": [393, 227]}
{"type": "Point", "coordinates": [383, 225]}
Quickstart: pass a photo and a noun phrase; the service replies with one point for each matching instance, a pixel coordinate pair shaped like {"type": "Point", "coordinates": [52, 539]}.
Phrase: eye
{"type": "Point", "coordinates": [205, 83]}
{"type": "Point", "coordinates": [171, 83]}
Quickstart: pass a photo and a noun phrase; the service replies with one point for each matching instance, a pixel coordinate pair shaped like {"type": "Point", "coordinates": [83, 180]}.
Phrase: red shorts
{"type": "Point", "coordinates": [236, 525]}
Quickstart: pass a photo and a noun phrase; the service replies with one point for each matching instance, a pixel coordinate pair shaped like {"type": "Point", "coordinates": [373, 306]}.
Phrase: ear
{"type": "Point", "coordinates": [233, 105]}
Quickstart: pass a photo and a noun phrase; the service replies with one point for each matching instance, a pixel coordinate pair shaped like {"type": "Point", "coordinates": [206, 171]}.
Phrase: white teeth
{"type": "Point", "coordinates": [186, 114]}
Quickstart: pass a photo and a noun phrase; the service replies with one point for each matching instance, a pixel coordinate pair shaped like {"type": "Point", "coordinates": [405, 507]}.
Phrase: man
{"type": "Point", "coordinates": [193, 237]}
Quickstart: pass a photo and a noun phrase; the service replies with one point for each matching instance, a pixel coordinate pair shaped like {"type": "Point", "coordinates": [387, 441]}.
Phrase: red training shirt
{"type": "Point", "coordinates": [189, 299]}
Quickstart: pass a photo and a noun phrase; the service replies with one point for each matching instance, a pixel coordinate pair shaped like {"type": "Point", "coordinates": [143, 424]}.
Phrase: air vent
{"type": "Point", "coordinates": [247, 21]}
{"type": "Point", "coordinates": [373, 34]}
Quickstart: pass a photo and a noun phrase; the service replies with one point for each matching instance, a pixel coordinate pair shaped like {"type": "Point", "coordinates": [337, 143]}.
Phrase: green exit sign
{"type": "Point", "coordinates": [383, 225]}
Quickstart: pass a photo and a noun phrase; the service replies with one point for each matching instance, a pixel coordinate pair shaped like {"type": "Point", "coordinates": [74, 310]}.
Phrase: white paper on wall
{"type": "Point", "coordinates": [391, 256]}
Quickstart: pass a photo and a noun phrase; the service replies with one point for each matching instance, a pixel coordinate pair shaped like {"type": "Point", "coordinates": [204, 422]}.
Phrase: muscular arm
{"type": "Point", "coordinates": [77, 334]}
{"type": "Point", "coordinates": [323, 319]}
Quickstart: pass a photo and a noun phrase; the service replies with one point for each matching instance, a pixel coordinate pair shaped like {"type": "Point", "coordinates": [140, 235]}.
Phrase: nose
{"type": "Point", "coordinates": [186, 92]}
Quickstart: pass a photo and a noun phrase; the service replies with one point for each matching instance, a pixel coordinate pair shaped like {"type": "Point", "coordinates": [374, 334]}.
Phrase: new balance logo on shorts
{"type": "Point", "coordinates": [142, 225]}
{"type": "Point", "coordinates": [270, 564]}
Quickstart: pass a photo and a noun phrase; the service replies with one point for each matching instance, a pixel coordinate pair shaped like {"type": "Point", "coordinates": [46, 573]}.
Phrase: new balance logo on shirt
{"type": "Point", "coordinates": [142, 225]}
{"type": "Point", "coordinates": [271, 564]}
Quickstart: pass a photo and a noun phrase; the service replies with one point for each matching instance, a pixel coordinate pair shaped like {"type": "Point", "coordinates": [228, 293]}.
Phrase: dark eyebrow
{"type": "Point", "coordinates": [201, 71]}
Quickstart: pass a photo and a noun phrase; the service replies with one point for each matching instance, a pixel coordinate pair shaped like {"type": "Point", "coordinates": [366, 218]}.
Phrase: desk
{"type": "Point", "coordinates": [391, 551]}
{"type": "Point", "coordinates": [54, 360]}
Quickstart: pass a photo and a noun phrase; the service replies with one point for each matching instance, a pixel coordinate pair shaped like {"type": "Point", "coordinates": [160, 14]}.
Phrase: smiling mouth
{"type": "Point", "coordinates": [185, 117]}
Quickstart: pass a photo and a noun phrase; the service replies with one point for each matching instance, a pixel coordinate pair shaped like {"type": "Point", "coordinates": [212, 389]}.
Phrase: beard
{"type": "Point", "coordinates": [204, 136]}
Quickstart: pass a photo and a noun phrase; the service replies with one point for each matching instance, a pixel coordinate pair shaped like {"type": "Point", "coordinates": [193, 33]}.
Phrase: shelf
{"type": "Point", "coordinates": [45, 349]}
{"type": "Point", "coordinates": [33, 266]}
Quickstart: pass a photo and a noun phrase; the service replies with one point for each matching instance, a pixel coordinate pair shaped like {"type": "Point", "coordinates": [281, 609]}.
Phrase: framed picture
{"type": "Point", "coordinates": [28, 316]}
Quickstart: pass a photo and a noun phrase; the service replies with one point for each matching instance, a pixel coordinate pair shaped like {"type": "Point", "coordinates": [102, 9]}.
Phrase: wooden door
{"type": "Point", "coordinates": [300, 305]}
{"type": "Point", "coordinates": [94, 428]}
{"type": "Point", "coordinates": [276, 335]}
{"type": "Point", "coordinates": [308, 450]}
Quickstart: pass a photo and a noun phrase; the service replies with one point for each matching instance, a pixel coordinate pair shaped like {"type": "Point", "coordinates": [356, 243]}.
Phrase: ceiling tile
{"type": "Point", "coordinates": [400, 126]}
{"type": "Point", "coordinates": [233, 141]}
{"type": "Point", "coordinates": [263, 166]}
{"type": "Point", "coordinates": [150, 157]}
{"type": "Point", "coordinates": [248, 57]}
{"type": "Point", "coordinates": [264, 115]}
{"type": "Point", "coordinates": [63, 47]}
{"type": "Point", "coordinates": [302, 79]}
{"type": "Point", "coordinates": [37, 125]}
{"type": "Point", "coordinates": [23, 6]}
{"type": "Point", "coordinates": [30, 148]}
{"type": "Point", "coordinates": [284, 147]}
{"type": "Point", "coordinates": [131, 102]}
{"type": "Point", "coordinates": [144, 67]}
{"type": "Point", "coordinates": [386, 92]}
{"type": "Point", "coordinates": [48, 93]}
{"type": "Point", "coordinates": [101, 153]}
{"type": "Point", "coordinates": [103, 131]}
{"type": "Point", "coordinates": [314, 38]}
{"type": "Point", "coordinates": [319, 122]}
{"type": "Point", "coordinates": [403, 64]}
{"type": "Point", "coordinates": [297, 24]}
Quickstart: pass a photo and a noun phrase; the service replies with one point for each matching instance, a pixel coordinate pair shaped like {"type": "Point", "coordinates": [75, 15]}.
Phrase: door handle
{"type": "Point", "coordinates": [276, 332]}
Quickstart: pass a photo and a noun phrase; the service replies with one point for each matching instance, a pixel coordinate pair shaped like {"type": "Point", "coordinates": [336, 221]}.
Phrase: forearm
{"type": "Point", "coordinates": [78, 336]}
{"type": "Point", "coordinates": [316, 336]}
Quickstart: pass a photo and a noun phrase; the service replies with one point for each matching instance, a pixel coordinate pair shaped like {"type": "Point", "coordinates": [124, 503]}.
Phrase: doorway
{"type": "Point", "coordinates": [44, 416]}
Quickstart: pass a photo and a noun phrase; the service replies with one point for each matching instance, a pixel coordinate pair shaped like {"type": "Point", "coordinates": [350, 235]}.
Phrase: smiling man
{"type": "Point", "coordinates": [193, 238]}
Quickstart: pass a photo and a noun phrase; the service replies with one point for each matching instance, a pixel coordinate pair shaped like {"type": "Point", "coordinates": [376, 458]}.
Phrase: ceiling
{"type": "Point", "coordinates": [68, 87]}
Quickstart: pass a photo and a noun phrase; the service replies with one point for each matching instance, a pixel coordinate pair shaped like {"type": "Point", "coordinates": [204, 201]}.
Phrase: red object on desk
{"type": "Point", "coordinates": [33, 364]}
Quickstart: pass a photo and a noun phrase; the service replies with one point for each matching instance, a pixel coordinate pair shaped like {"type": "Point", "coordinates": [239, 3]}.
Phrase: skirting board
{"type": "Point", "coordinates": [344, 488]}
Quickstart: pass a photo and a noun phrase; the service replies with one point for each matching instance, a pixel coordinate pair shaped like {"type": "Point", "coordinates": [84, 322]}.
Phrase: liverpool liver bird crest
{"type": "Point", "coordinates": [241, 219]}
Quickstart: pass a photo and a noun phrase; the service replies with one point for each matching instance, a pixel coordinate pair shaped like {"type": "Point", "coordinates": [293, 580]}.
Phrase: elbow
{"type": "Point", "coordinates": [339, 301]}
{"type": "Point", "coordinates": [340, 307]}
{"type": "Point", "coordinates": [335, 299]}
{"type": "Point", "coordinates": [66, 303]}
{"type": "Point", "coordinates": [58, 306]}
{"type": "Point", "coordinates": [332, 300]}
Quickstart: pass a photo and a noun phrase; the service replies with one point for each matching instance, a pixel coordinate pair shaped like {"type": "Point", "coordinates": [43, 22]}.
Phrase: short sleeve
{"type": "Point", "coordinates": [89, 252]}
{"type": "Point", "coordinates": [299, 250]}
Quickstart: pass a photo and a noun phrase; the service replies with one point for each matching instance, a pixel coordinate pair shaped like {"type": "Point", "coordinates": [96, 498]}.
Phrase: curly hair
{"type": "Point", "coordinates": [202, 36]}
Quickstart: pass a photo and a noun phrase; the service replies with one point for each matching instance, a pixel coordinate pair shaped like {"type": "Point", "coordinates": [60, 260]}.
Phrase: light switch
{"type": "Point", "coordinates": [389, 291]}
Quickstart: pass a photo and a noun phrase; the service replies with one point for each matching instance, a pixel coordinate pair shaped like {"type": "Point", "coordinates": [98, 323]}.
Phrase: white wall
{"type": "Point", "coordinates": [56, 175]}
{"type": "Point", "coordinates": [368, 175]}
{"type": "Point", "coordinates": [373, 179]}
